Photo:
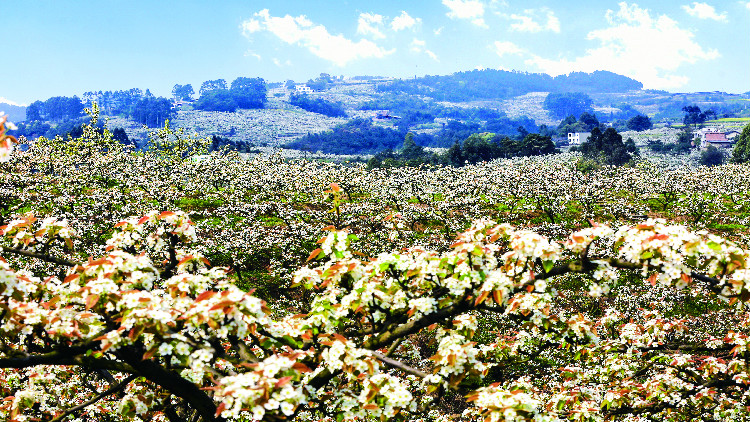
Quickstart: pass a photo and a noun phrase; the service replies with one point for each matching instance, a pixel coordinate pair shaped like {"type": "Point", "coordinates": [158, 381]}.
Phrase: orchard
{"type": "Point", "coordinates": [157, 286]}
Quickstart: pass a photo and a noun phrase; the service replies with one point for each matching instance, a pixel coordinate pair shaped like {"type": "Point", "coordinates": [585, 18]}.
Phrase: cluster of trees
{"type": "Point", "coordinates": [143, 107]}
{"type": "Point", "coordinates": [561, 105]}
{"type": "Point", "coordinates": [183, 92]}
{"type": "Point", "coordinates": [694, 116]}
{"type": "Point", "coordinates": [116, 103]}
{"type": "Point", "coordinates": [585, 123]}
{"type": "Point", "coordinates": [478, 147]}
{"type": "Point", "coordinates": [493, 84]}
{"type": "Point", "coordinates": [608, 148]}
{"type": "Point", "coordinates": [243, 93]}
{"type": "Point", "coordinates": [361, 136]}
{"type": "Point", "coordinates": [55, 109]}
{"type": "Point", "coordinates": [322, 82]}
{"type": "Point", "coordinates": [152, 111]}
{"type": "Point", "coordinates": [219, 143]}
{"type": "Point", "coordinates": [639, 123]}
{"type": "Point", "coordinates": [357, 136]}
{"type": "Point", "coordinates": [683, 145]}
{"type": "Point", "coordinates": [317, 105]}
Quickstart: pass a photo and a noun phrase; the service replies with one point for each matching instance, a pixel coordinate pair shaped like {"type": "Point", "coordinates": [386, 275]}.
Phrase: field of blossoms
{"type": "Point", "coordinates": [157, 287]}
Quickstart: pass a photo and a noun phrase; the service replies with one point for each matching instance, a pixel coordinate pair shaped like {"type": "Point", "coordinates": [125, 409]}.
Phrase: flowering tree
{"type": "Point", "coordinates": [109, 317]}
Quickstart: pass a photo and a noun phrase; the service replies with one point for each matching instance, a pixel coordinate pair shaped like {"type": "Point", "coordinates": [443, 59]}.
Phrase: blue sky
{"type": "Point", "coordinates": [55, 47]}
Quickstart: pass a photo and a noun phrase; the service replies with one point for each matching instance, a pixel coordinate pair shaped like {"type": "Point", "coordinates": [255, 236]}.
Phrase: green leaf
{"type": "Point", "coordinates": [547, 265]}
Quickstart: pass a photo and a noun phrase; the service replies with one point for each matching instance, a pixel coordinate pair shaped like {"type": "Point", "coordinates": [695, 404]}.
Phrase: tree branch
{"type": "Point", "coordinates": [399, 365]}
{"type": "Point", "coordinates": [43, 257]}
{"type": "Point", "coordinates": [114, 389]}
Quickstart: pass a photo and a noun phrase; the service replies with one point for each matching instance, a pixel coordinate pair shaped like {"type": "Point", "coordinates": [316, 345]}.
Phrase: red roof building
{"type": "Point", "coordinates": [717, 139]}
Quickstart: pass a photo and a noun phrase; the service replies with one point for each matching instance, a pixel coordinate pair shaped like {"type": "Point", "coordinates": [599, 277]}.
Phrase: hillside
{"type": "Point", "coordinates": [501, 84]}
{"type": "Point", "coordinates": [493, 100]}
{"type": "Point", "coordinates": [15, 113]}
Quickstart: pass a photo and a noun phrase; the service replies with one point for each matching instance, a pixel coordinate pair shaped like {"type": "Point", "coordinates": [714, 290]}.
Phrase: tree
{"type": "Point", "coordinates": [693, 116]}
{"type": "Point", "coordinates": [606, 147]}
{"type": "Point", "coordinates": [639, 123]}
{"type": "Point", "coordinates": [565, 104]}
{"type": "Point", "coordinates": [217, 100]}
{"type": "Point", "coordinates": [410, 150]}
{"type": "Point", "coordinates": [152, 111]}
{"type": "Point", "coordinates": [213, 85]}
{"type": "Point", "coordinates": [712, 156]}
{"type": "Point", "coordinates": [741, 152]}
{"type": "Point", "coordinates": [119, 135]}
{"type": "Point", "coordinates": [249, 92]}
{"type": "Point", "coordinates": [183, 92]}
{"type": "Point", "coordinates": [34, 111]}
{"type": "Point", "coordinates": [536, 144]}
{"type": "Point", "coordinates": [455, 156]}
{"type": "Point", "coordinates": [589, 121]}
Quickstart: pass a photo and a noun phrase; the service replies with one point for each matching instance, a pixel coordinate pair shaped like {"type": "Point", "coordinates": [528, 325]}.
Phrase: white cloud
{"type": "Point", "coordinates": [4, 100]}
{"type": "Point", "coordinates": [705, 11]}
{"type": "Point", "coordinates": [418, 46]}
{"type": "Point", "coordinates": [301, 31]}
{"type": "Point", "coordinates": [251, 53]}
{"type": "Point", "coordinates": [466, 9]}
{"type": "Point", "coordinates": [649, 49]}
{"type": "Point", "coordinates": [404, 21]}
{"type": "Point", "coordinates": [748, 5]}
{"type": "Point", "coordinates": [369, 24]}
{"type": "Point", "coordinates": [506, 47]}
{"type": "Point", "coordinates": [527, 23]}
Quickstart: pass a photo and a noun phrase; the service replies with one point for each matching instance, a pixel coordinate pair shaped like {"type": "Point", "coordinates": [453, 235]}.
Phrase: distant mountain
{"type": "Point", "coordinates": [492, 84]}
{"type": "Point", "coordinates": [15, 113]}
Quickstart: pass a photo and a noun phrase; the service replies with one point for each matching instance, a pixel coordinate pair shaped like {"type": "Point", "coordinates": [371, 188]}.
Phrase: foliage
{"type": "Point", "coordinates": [244, 93]}
{"type": "Point", "coordinates": [317, 105]}
{"type": "Point", "coordinates": [741, 152]}
{"type": "Point", "coordinates": [639, 123]}
{"type": "Point", "coordinates": [358, 136]}
{"type": "Point", "coordinates": [585, 123]}
{"type": "Point", "coordinates": [55, 108]}
{"type": "Point", "coordinates": [249, 92]}
{"type": "Point", "coordinates": [495, 84]}
{"type": "Point", "coordinates": [478, 147]}
{"type": "Point", "coordinates": [183, 92]}
{"type": "Point", "coordinates": [606, 147]}
{"type": "Point", "coordinates": [565, 104]}
{"type": "Point", "coordinates": [213, 85]}
{"type": "Point", "coordinates": [712, 156]}
{"type": "Point", "coordinates": [694, 116]}
{"type": "Point", "coordinates": [216, 100]}
{"type": "Point", "coordinates": [152, 111]}
{"type": "Point", "coordinates": [116, 103]}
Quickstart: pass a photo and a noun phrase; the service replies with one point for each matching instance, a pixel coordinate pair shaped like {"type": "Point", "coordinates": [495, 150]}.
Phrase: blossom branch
{"type": "Point", "coordinates": [112, 390]}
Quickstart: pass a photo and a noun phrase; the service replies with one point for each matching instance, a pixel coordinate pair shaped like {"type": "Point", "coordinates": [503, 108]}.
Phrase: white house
{"type": "Point", "coordinates": [577, 138]}
{"type": "Point", "coordinates": [303, 89]}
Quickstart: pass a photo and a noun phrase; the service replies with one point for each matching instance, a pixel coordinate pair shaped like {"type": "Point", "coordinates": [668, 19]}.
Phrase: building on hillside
{"type": "Point", "coordinates": [577, 138]}
{"type": "Point", "coordinates": [303, 89]}
{"type": "Point", "coordinates": [717, 139]}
